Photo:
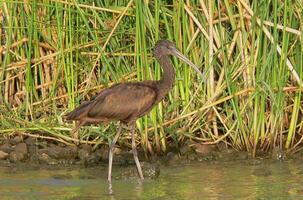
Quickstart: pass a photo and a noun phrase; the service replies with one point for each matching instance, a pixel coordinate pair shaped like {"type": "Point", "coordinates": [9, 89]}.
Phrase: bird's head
{"type": "Point", "coordinates": [164, 48]}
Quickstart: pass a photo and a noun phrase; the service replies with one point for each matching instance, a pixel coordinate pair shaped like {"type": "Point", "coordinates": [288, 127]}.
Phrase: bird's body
{"type": "Point", "coordinates": [123, 102]}
{"type": "Point", "coordinates": [126, 102]}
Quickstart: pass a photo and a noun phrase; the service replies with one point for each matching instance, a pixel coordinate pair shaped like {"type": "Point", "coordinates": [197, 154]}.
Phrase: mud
{"type": "Point", "coordinates": [35, 152]}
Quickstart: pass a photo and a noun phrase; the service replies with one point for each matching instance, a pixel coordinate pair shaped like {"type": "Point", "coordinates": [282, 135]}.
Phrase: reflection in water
{"type": "Point", "coordinates": [216, 180]}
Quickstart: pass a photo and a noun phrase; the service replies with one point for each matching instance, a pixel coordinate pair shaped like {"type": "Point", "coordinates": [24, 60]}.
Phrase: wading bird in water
{"type": "Point", "coordinates": [126, 102]}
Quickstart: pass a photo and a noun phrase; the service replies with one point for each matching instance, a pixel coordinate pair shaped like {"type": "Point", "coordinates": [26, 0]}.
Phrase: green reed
{"type": "Point", "coordinates": [55, 55]}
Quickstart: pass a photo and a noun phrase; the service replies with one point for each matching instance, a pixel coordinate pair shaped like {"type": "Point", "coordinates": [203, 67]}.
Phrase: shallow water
{"type": "Point", "coordinates": [216, 180]}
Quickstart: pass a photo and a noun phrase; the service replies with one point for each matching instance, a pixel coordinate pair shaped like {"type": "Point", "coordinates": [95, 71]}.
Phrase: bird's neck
{"type": "Point", "coordinates": [166, 82]}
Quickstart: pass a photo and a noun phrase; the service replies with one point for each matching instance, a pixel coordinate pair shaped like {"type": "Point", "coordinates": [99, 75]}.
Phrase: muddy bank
{"type": "Point", "coordinates": [20, 149]}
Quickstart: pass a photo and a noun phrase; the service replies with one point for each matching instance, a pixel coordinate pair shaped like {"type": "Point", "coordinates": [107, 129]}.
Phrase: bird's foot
{"type": "Point", "coordinates": [110, 188]}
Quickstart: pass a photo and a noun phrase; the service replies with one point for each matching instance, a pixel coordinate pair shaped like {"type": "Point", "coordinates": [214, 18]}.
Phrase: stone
{"type": "Point", "coordinates": [203, 149]}
{"type": "Point", "coordinates": [117, 151]}
{"type": "Point", "coordinates": [19, 153]}
{"type": "Point", "coordinates": [242, 155]}
{"type": "Point", "coordinates": [222, 146]}
{"type": "Point", "coordinates": [83, 155]}
{"type": "Point", "coordinates": [58, 152]}
{"type": "Point", "coordinates": [185, 150]}
{"type": "Point", "coordinates": [278, 154]}
{"type": "Point", "coordinates": [17, 139]}
{"type": "Point", "coordinates": [44, 158]}
{"type": "Point", "coordinates": [192, 157]}
{"type": "Point", "coordinates": [149, 170]}
{"type": "Point", "coordinates": [6, 147]}
{"type": "Point", "coordinates": [30, 141]}
{"type": "Point", "coordinates": [70, 152]}
{"type": "Point", "coordinates": [3, 155]}
{"type": "Point", "coordinates": [100, 155]}
{"type": "Point", "coordinates": [32, 149]}
{"type": "Point", "coordinates": [93, 158]}
{"type": "Point", "coordinates": [103, 152]}
{"type": "Point", "coordinates": [21, 148]}
{"type": "Point", "coordinates": [86, 147]}
{"type": "Point", "coordinates": [171, 158]}
{"type": "Point", "coordinates": [16, 156]}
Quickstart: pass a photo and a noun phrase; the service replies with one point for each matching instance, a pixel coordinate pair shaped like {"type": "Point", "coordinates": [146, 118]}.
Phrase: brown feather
{"type": "Point", "coordinates": [125, 102]}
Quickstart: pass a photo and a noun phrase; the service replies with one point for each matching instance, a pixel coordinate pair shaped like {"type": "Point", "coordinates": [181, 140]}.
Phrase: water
{"type": "Point", "coordinates": [219, 180]}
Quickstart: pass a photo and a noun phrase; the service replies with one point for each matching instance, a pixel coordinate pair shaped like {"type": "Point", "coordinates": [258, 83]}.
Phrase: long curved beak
{"type": "Point", "coordinates": [186, 60]}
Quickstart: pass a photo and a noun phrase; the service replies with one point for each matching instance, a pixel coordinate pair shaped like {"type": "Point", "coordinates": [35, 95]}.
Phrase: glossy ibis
{"type": "Point", "coordinates": [126, 102]}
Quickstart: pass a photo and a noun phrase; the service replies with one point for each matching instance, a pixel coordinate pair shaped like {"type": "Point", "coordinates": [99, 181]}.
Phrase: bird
{"type": "Point", "coordinates": [128, 101]}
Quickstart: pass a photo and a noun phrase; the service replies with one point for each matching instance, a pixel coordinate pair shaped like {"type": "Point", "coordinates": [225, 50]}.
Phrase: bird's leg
{"type": "Point", "coordinates": [111, 154]}
{"type": "Point", "coordinates": [135, 151]}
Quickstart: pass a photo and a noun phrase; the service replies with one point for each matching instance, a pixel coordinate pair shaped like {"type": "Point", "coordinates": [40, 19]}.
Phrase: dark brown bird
{"type": "Point", "coordinates": [126, 102]}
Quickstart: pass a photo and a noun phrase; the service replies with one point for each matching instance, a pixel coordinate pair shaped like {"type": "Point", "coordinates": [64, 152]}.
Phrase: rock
{"type": "Point", "coordinates": [60, 144]}
{"type": "Point", "coordinates": [6, 147]}
{"type": "Point", "coordinates": [17, 139]}
{"type": "Point", "coordinates": [19, 154]}
{"type": "Point", "coordinates": [16, 156]}
{"type": "Point", "coordinates": [32, 145]}
{"type": "Point", "coordinates": [66, 162]}
{"type": "Point", "coordinates": [125, 158]}
{"type": "Point", "coordinates": [242, 155]}
{"type": "Point", "coordinates": [34, 158]}
{"type": "Point", "coordinates": [222, 146]}
{"type": "Point", "coordinates": [117, 151]}
{"type": "Point", "coordinates": [70, 152]}
{"type": "Point", "coordinates": [103, 152]}
{"type": "Point", "coordinates": [228, 155]}
{"type": "Point", "coordinates": [185, 149]}
{"type": "Point", "coordinates": [30, 141]}
{"type": "Point", "coordinates": [3, 155]}
{"type": "Point", "coordinates": [203, 149]}
{"type": "Point", "coordinates": [32, 149]}
{"type": "Point", "coordinates": [100, 155]}
{"type": "Point", "coordinates": [44, 158]}
{"type": "Point", "coordinates": [87, 148]}
{"type": "Point", "coordinates": [58, 152]}
{"type": "Point", "coordinates": [41, 144]}
{"type": "Point", "coordinates": [172, 156]}
{"type": "Point", "coordinates": [149, 170]}
{"type": "Point", "coordinates": [192, 157]}
{"type": "Point", "coordinates": [52, 151]}
{"type": "Point", "coordinates": [84, 155]}
{"type": "Point", "coordinates": [278, 154]}
{"type": "Point", "coordinates": [22, 148]}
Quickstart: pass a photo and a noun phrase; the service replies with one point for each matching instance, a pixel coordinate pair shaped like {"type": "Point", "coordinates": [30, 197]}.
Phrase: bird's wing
{"type": "Point", "coordinates": [123, 102]}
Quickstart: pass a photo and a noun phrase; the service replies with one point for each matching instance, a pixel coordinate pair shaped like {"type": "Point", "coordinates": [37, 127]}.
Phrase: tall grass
{"type": "Point", "coordinates": [56, 54]}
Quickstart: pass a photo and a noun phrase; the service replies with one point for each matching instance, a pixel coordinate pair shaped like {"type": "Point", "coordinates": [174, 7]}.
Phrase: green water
{"type": "Point", "coordinates": [219, 180]}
